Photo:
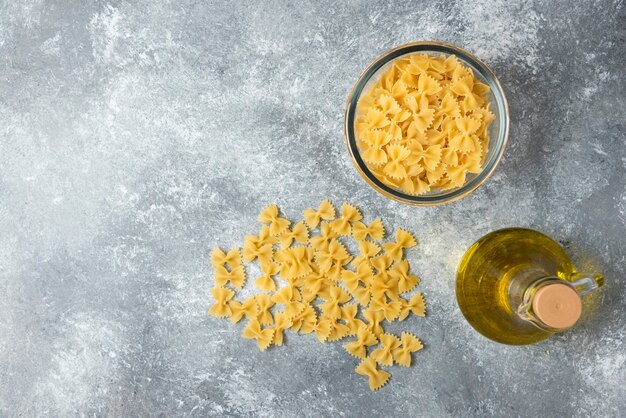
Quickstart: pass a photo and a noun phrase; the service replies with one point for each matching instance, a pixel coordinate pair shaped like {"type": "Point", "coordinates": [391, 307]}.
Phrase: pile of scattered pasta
{"type": "Point", "coordinates": [424, 124]}
{"type": "Point", "coordinates": [323, 289]}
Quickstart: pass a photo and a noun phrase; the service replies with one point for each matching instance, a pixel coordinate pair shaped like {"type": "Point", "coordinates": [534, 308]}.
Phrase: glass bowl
{"type": "Point", "coordinates": [498, 130]}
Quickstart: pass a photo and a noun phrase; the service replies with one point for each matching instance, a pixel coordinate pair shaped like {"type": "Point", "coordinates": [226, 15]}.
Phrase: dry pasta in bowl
{"type": "Point", "coordinates": [420, 124]}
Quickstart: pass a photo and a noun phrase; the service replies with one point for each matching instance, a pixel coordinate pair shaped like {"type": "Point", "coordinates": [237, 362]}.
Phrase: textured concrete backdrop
{"type": "Point", "coordinates": [137, 135]}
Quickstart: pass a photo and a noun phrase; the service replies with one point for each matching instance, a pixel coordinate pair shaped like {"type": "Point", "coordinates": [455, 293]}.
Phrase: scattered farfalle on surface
{"type": "Point", "coordinates": [311, 283]}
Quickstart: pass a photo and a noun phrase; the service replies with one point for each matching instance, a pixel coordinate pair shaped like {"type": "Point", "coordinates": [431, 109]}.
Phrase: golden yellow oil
{"type": "Point", "coordinates": [493, 275]}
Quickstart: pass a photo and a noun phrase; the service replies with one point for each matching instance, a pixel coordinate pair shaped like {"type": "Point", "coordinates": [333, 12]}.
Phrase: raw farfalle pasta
{"type": "Point", "coordinates": [405, 280]}
{"type": "Point", "coordinates": [232, 258]}
{"type": "Point", "coordinates": [375, 230]}
{"type": "Point", "coordinates": [254, 331]}
{"type": "Point", "coordinates": [222, 307]}
{"type": "Point", "coordinates": [247, 309]}
{"type": "Point", "coordinates": [331, 308]}
{"type": "Point", "coordinates": [424, 124]}
{"type": "Point", "coordinates": [416, 306]}
{"type": "Point", "coordinates": [311, 283]}
{"type": "Point", "coordinates": [384, 354]}
{"type": "Point", "coordinates": [236, 276]}
{"type": "Point", "coordinates": [377, 378]}
{"type": "Point", "coordinates": [403, 240]}
{"type": "Point", "coordinates": [276, 223]}
{"type": "Point", "coordinates": [343, 225]}
{"type": "Point", "coordinates": [408, 344]}
{"type": "Point", "coordinates": [364, 339]}
{"type": "Point", "coordinates": [264, 303]}
{"type": "Point", "coordinates": [282, 322]}
{"type": "Point", "coordinates": [313, 217]}
{"type": "Point", "coordinates": [298, 233]}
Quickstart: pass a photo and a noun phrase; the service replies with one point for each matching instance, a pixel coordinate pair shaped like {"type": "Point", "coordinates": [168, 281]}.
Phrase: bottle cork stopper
{"type": "Point", "coordinates": [557, 305]}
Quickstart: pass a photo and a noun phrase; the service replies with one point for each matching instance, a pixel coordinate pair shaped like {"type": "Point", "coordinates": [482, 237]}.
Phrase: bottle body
{"type": "Point", "coordinates": [494, 275]}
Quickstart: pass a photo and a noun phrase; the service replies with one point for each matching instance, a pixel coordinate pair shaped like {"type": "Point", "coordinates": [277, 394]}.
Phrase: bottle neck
{"type": "Point", "coordinates": [551, 304]}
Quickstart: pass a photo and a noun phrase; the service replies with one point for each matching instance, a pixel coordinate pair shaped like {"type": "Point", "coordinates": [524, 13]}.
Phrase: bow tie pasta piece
{"type": "Point", "coordinates": [465, 139]}
{"type": "Point", "coordinates": [367, 250]}
{"type": "Point", "coordinates": [331, 307]}
{"type": "Point", "coordinates": [395, 167]}
{"type": "Point", "coordinates": [410, 344]}
{"type": "Point", "coordinates": [253, 249]}
{"type": "Point", "coordinates": [265, 237]}
{"type": "Point", "coordinates": [282, 322]}
{"type": "Point", "coordinates": [404, 239]}
{"type": "Point", "coordinates": [248, 309]}
{"type": "Point", "coordinates": [374, 143]}
{"type": "Point", "coordinates": [334, 253]}
{"type": "Point", "coordinates": [462, 86]}
{"type": "Point", "coordinates": [406, 281]}
{"type": "Point", "coordinates": [374, 318]}
{"type": "Point", "coordinates": [375, 119]}
{"type": "Point", "coordinates": [322, 240]}
{"type": "Point", "coordinates": [221, 307]}
{"type": "Point", "coordinates": [377, 378]}
{"type": "Point", "coordinates": [270, 216]}
{"type": "Point", "coordinates": [334, 273]}
{"type": "Point", "coordinates": [326, 211]}
{"type": "Point", "coordinates": [318, 285]}
{"type": "Point", "coordinates": [338, 331]}
{"type": "Point", "coordinates": [416, 305]}
{"type": "Point", "coordinates": [323, 328]}
{"type": "Point", "coordinates": [384, 286]}
{"type": "Point", "coordinates": [306, 321]}
{"type": "Point", "coordinates": [384, 354]}
{"type": "Point", "coordinates": [427, 85]}
{"type": "Point", "coordinates": [418, 63]}
{"type": "Point", "coordinates": [286, 295]}
{"type": "Point", "coordinates": [414, 185]}
{"type": "Point", "coordinates": [449, 158]}
{"type": "Point", "coordinates": [348, 315]}
{"type": "Point", "coordinates": [265, 282]}
{"type": "Point", "coordinates": [236, 277]}
{"type": "Point", "coordinates": [351, 279]}
{"type": "Point", "coordinates": [449, 65]}
{"type": "Point", "coordinates": [388, 105]}
{"type": "Point", "coordinates": [381, 263]}
{"type": "Point", "coordinates": [364, 338]}
{"type": "Point", "coordinates": [375, 230]}
{"type": "Point", "coordinates": [264, 303]}
{"type": "Point", "coordinates": [291, 299]}
{"type": "Point", "coordinates": [456, 175]}
{"type": "Point", "coordinates": [294, 262]}
{"type": "Point", "coordinates": [263, 337]}
{"type": "Point", "coordinates": [424, 158]}
{"type": "Point", "coordinates": [319, 276]}
{"type": "Point", "coordinates": [433, 101]}
{"type": "Point", "coordinates": [232, 258]}
{"type": "Point", "coordinates": [362, 294]}
{"type": "Point", "coordinates": [390, 310]}
{"type": "Point", "coordinates": [449, 106]}
{"type": "Point", "coordinates": [423, 115]}
{"type": "Point", "coordinates": [349, 214]}
{"type": "Point", "coordinates": [298, 233]}
{"type": "Point", "coordinates": [328, 329]}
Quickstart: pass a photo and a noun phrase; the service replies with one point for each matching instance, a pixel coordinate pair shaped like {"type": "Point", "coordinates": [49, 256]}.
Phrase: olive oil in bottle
{"type": "Point", "coordinates": [517, 286]}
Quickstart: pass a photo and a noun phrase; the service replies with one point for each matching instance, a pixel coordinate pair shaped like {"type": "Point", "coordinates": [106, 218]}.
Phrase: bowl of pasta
{"type": "Point", "coordinates": [426, 123]}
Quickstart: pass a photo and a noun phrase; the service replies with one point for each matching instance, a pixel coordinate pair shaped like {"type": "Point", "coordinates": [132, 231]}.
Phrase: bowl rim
{"type": "Point", "coordinates": [421, 200]}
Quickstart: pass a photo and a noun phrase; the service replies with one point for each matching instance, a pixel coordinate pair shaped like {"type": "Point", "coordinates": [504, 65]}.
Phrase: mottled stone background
{"type": "Point", "coordinates": [137, 135]}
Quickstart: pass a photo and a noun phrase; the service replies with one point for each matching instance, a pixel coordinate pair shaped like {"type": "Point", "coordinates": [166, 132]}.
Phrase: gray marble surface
{"type": "Point", "coordinates": [137, 135]}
